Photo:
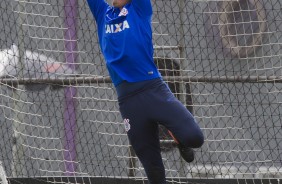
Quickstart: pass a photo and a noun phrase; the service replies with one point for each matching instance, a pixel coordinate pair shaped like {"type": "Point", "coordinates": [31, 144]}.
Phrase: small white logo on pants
{"type": "Point", "coordinates": [126, 124]}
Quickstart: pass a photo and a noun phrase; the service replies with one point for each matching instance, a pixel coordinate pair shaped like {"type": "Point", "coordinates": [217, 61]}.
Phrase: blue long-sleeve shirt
{"type": "Point", "coordinates": [125, 38]}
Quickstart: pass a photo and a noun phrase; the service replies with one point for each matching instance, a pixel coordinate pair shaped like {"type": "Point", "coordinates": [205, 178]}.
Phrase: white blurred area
{"type": "Point", "coordinates": [34, 66]}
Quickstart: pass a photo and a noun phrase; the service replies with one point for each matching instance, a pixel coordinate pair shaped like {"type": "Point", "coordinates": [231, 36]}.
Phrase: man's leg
{"type": "Point", "coordinates": [144, 138]}
{"type": "Point", "coordinates": [145, 142]}
{"type": "Point", "coordinates": [171, 113]}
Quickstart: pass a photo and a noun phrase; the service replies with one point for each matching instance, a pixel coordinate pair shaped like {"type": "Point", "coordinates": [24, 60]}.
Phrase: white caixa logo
{"type": "Point", "coordinates": [126, 124]}
{"type": "Point", "coordinates": [115, 28]}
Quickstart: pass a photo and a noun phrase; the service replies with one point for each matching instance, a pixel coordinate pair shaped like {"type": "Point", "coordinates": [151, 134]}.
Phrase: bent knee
{"type": "Point", "coordinates": [194, 141]}
{"type": "Point", "coordinates": [199, 141]}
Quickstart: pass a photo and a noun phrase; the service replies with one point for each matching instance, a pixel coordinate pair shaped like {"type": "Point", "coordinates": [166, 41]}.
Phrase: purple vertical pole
{"type": "Point", "coordinates": [70, 8]}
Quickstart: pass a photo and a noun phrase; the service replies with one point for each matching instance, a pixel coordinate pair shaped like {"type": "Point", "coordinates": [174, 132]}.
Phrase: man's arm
{"type": "Point", "coordinates": [97, 8]}
{"type": "Point", "coordinates": [143, 7]}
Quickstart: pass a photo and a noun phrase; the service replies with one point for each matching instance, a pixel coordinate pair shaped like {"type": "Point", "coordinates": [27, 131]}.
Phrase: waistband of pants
{"type": "Point", "coordinates": [128, 88]}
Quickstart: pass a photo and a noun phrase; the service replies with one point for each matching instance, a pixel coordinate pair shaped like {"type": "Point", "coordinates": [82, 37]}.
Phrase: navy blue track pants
{"type": "Point", "coordinates": [142, 111]}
